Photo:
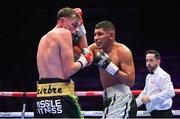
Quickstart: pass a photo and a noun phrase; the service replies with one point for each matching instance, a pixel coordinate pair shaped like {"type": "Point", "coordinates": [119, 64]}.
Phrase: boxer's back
{"type": "Point", "coordinates": [49, 58]}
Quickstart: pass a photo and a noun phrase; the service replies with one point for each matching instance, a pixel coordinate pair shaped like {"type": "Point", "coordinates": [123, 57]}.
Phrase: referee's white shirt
{"type": "Point", "coordinates": [159, 88]}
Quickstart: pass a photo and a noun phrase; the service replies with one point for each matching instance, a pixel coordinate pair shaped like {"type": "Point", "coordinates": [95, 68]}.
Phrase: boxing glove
{"type": "Point", "coordinates": [103, 61]}
{"type": "Point", "coordinates": [82, 30]}
{"type": "Point", "coordinates": [79, 12]}
{"type": "Point", "coordinates": [85, 58]}
{"type": "Point", "coordinates": [76, 36]}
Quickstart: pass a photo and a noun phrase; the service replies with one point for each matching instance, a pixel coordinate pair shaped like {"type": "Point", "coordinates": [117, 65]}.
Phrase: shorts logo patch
{"type": "Point", "coordinates": [49, 106]}
{"type": "Point", "coordinates": [55, 89]}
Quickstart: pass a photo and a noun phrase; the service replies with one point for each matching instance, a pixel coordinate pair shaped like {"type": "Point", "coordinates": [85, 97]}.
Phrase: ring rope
{"type": "Point", "coordinates": [141, 113]}
{"type": "Point", "coordinates": [78, 93]}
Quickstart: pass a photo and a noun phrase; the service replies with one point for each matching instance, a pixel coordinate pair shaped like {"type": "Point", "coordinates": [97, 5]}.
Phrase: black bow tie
{"type": "Point", "coordinates": [151, 72]}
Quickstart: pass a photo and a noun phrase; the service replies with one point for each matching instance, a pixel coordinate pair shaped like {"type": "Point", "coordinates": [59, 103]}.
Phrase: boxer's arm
{"type": "Point", "coordinates": [126, 74]}
{"type": "Point", "coordinates": [83, 42]}
{"type": "Point", "coordinates": [80, 38]}
{"type": "Point", "coordinates": [67, 57]}
{"type": "Point", "coordinates": [103, 61]}
{"type": "Point", "coordinates": [77, 48]}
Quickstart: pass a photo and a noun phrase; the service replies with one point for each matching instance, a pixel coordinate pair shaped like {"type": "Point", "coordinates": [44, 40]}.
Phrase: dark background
{"type": "Point", "coordinates": [141, 25]}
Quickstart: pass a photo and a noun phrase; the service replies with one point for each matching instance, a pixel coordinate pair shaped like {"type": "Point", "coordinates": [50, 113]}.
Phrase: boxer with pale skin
{"type": "Point", "coordinates": [56, 65]}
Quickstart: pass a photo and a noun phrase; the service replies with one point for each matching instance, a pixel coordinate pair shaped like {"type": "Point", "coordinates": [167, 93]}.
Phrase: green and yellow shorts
{"type": "Point", "coordinates": [56, 98]}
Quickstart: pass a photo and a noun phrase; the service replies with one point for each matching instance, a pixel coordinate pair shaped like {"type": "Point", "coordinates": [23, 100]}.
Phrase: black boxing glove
{"type": "Point", "coordinates": [102, 60]}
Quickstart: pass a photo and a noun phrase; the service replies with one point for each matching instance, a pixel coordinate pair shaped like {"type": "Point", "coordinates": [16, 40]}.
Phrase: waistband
{"type": "Point", "coordinates": [50, 87]}
{"type": "Point", "coordinates": [166, 110]}
{"type": "Point", "coordinates": [53, 80]}
{"type": "Point", "coordinates": [120, 89]}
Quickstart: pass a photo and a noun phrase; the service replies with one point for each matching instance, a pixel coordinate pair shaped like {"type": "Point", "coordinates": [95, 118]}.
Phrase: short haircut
{"type": "Point", "coordinates": [67, 12]}
{"type": "Point", "coordinates": [157, 54]}
{"type": "Point", "coordinates": [106, 25]}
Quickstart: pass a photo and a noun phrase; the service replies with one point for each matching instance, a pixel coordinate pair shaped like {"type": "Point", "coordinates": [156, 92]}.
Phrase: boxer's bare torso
{"type": "Point", "coordinates": [121, 56]}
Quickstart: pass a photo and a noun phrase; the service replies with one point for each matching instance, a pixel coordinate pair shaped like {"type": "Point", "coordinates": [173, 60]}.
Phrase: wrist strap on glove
{"type": "Point", "coordinates": [112, 69]}
{"type": "Point", "coordinates": [83, 61]}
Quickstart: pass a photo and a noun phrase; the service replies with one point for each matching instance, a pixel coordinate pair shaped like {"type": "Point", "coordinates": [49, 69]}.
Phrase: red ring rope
{"type": "Point", "coordinates": [78, 93]}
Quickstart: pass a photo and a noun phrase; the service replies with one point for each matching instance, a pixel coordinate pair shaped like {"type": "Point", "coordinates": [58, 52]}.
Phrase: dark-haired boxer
{"type": "Point", "coordinates": [116, 67]}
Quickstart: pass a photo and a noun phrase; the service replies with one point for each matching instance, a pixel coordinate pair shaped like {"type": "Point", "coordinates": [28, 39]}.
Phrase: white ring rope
{"type": "Point", "coordinates": [141, 113]}
{"type": "Point", "coordinates": [85, 113]}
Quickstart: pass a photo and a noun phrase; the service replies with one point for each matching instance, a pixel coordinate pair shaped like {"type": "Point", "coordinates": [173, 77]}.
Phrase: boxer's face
{"type": "Point", "coordinates": [151, 62]}
{"type": "Point", "coordinates": [102, 38]}
{"type": "Point", "coordinates": [72, 24]}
